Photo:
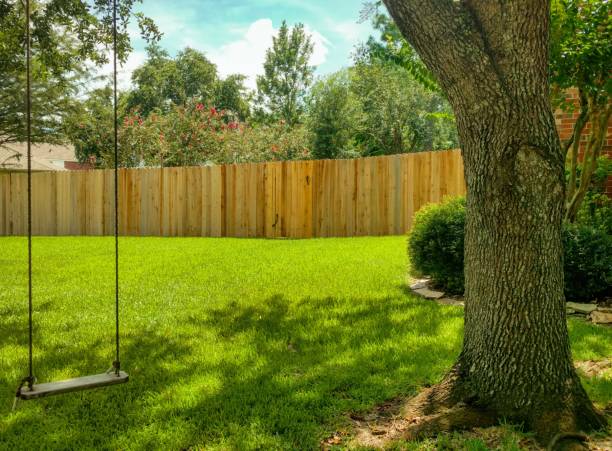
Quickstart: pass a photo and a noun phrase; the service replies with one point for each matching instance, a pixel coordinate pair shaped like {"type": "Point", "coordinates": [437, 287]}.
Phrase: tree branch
{"type": "Point", "coordinates": [446, 37]}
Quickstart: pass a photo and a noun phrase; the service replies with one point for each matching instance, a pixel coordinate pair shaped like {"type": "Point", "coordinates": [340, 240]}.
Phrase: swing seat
{"type": "Point", "coordinates": [73, 385]}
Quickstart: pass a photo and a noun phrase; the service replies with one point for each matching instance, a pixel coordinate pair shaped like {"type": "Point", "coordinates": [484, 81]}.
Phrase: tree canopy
{"type": "Point", "coordinates": [67, 37]}
{"type": "Point", "coordinates": [163, 82]}
{"type": "Point", "coordinates": [287, 75]}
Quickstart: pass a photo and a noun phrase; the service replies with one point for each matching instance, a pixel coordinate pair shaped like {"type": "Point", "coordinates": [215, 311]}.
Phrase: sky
{"type": "Point", "coordinates": [235, 34]}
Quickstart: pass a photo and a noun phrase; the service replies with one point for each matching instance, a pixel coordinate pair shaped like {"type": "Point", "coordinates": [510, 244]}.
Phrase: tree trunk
{"type": "Point", "coordinates": [491, 60]}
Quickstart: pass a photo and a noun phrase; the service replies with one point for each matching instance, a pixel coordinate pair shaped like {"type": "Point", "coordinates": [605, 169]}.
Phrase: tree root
{"type": "Point", "coordinates": [567, 442]}
{"type": "Point", "coordinates": [447, 407]}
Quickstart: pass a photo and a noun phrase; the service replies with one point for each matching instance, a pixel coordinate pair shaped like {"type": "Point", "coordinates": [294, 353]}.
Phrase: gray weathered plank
{"type": "Point", "coordinates": [72, 385]}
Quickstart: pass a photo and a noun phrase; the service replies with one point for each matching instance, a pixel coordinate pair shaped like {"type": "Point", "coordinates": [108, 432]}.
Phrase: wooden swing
{"type": "Point", "coordinates": [28, 388]}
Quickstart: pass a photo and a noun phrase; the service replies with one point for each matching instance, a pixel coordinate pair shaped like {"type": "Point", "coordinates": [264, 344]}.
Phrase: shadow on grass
{"type": "Point", "coordinates": [240, 376]}
{"type": "Point", "coordinates": [276, 375]}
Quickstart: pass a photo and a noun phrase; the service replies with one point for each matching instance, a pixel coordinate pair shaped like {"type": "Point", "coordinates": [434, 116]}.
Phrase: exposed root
{"type": "Point", "coordinates": [446, 407]}
{"type": "Point", "coordinates": [427, 414]}
{"type": "Point", "coordinates": [567, 442]}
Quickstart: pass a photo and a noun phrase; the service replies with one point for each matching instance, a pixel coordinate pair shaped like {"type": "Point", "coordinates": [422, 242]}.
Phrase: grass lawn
{"type": "Point", "coordinates": [230, 344]}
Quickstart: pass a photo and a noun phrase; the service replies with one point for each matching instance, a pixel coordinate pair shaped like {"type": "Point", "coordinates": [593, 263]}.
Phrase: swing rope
{"type": "Point", "coordinates": [116, 363]}
{"type": "Point", "coordinates": [30, 380]}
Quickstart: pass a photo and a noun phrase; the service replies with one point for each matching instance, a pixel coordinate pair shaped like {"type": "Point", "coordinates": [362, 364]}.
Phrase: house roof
{"type": "Point", "coordinates": [13, 157]}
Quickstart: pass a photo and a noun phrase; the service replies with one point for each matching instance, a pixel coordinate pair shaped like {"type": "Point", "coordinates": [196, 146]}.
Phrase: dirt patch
{"type": "Point", "coordinates": [384, 425]}
{"type": "Point", "coordinates": [594, 368]}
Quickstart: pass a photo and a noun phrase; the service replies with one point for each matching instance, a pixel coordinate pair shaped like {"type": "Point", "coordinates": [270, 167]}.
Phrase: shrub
{"type": "Point", "coordinates": [197, 135]}
{"type": "Point", "coordinates": [596, 211]}
{"type": "Point", "coordinates": [588, 262]}
{"type": "Point", "coordinates": [596, 208]}
{"type": "Point", "coordinates": [435, 244]}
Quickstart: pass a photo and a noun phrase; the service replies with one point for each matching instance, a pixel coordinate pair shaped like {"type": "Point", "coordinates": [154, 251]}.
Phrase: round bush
{"type": "Point", "coordinates": [588, 262]}
{"type": "Point", "coordinates": [435, 243]}
{"type": "Point", "coordinates": [435, 247]}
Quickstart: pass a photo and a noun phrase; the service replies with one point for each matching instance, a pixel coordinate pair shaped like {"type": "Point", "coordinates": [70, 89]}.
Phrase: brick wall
{"type": "Point", "coordinates": [565, 125]}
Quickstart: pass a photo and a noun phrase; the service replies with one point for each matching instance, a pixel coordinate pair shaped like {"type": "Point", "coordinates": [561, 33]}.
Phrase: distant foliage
{"type": "Point", "coordinates": [332, 117]}
{"type": "Point", "coordinates": [163, 82]}
{"type": "Point", "coordinates": [391, 47]}
{"type": "Point", "coordinates": [377, 109]}
{"type": "Point", "coordinates": [435, 243]}
{"type": "Point", "coordinates": [90, 127]}
{"type": "Point", "coordinates": [398, 115]}
{"type": "Point", "coordinates": [197, 135]}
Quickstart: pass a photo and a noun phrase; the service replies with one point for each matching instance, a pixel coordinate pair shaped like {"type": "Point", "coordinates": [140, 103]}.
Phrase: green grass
{"type": "Point", "coordinates": [230, 344]}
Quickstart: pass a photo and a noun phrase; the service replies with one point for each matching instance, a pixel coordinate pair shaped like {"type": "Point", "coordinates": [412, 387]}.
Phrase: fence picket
{"type": "Point", "coordinates": [293, 199]}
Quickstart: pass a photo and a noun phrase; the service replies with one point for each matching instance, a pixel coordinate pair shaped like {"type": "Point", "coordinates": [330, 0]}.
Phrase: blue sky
{"type": "Point", "coordinates": [235, 34]}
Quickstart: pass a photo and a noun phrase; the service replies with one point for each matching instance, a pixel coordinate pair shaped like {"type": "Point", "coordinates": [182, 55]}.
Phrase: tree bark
{"type": "Point", "coordinates": [491, 57]}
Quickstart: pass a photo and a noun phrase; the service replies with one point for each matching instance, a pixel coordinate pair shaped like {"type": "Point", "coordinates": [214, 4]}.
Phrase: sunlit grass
{"type": "Point", "coordinates": [230, 344]}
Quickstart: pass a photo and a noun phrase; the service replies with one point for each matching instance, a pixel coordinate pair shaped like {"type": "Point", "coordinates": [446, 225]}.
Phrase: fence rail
{"type": "Point", "coordinates": [296, 199]}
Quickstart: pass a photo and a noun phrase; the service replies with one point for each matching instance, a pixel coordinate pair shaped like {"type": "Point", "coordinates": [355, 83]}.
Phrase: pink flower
{"type": "Point", "coordinates": [213, 111]}
{"type": "Point", "coordinates": [199, 107]}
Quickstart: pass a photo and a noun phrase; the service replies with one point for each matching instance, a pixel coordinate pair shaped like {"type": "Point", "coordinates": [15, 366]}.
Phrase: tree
{"type": "Point", "coordinates": [163, 82]}
{"type": "Point", "coordinates": [287, 75]}
{"type": "Point", "coordinates": [398, 114]}
{"type": "Point", "coordinates": [581, 58]}
{"type": "Point", "coordinates": [65, 35]}
{"type": "Point", "coordinates": [332, 116]}
{"type": "Point", "coordinates": [377, 108]}
{"type": "Point", "coordinates": [491, 60]}
{"type": "Point", "coordinates": [232, 95]}
{"type": "Point", "coordinates": [90, 126]}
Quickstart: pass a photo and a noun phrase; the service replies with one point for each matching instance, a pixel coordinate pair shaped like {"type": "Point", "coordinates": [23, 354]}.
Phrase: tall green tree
{"type": "Point", "coordinates": [287, 75]}
{"type": "Point", "coordinates": [581, 58]}
{"type": "Point", "coordinates": [163, 82]}
{"type": "Point", "coordinates": [66, 37]}
{"type": "Point", "coordinates": [491, 60]}
{"type": "Point", "coordinates": [332, 116]}
{"type": "Point", "coordinates": [398, 114]}
{"type": "Point", "coordinates": [377, 108]}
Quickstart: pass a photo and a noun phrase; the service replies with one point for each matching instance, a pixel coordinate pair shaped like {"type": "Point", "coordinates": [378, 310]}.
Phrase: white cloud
{"type": "Point", "coordinates": [247, 54]}
{"type": "Point", "coordinates": [244, 55]}
{"type": "Point", "coordinates": [351, 31]}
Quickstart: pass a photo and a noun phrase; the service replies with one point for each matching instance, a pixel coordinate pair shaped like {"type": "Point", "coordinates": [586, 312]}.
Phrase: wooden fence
{"type": "Point", "coordinates": [297, 199]}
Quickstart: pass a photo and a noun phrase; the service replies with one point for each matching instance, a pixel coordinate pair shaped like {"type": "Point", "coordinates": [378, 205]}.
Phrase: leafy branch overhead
{"type": "Point", "coordinates": [68, 36]}
{"type": "Point", "coordinates": [391, 47]}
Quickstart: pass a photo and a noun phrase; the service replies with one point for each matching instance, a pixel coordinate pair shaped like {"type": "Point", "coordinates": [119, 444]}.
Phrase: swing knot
{"type": "Point", "coordinates": [117, 366]}
{"type": "Point", "coordinates": [29, 381]}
